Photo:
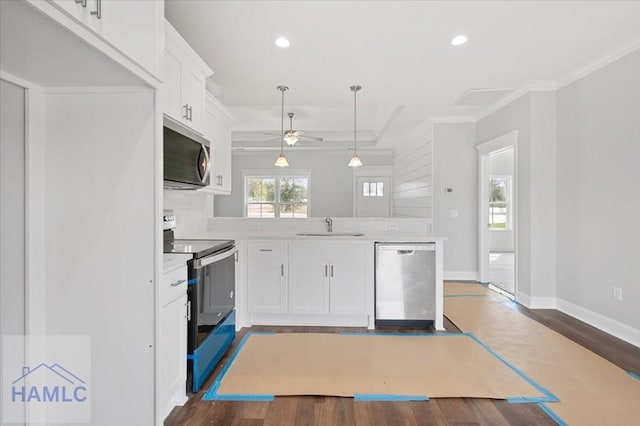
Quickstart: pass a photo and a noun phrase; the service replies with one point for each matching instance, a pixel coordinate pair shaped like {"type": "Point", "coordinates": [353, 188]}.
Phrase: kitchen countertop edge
{"type": "Point", "coordinates": [388, 237]}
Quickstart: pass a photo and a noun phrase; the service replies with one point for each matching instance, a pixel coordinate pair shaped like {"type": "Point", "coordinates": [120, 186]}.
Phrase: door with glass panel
{"type": "Point", "coordinates": [373, 196]}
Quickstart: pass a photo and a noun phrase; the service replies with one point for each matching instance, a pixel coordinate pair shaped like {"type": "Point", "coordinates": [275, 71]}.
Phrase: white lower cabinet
{"type": "Point", "coordinates": [308, 286]}
{"type": "Point", "coordinates": [266, 277]}
{"type": "Point", "coordinates": [310, 283]}
{"type": "Point", "coordinates": [172, 359]}
{"type": "Point", "coordinates": [348, 285]}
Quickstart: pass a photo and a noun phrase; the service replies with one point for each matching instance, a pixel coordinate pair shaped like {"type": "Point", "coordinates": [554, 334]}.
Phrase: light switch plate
{"type": "Point", "coordinates": [454, 213]}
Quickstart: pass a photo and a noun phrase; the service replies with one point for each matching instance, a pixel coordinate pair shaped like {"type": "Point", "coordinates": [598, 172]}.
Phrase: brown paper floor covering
{"type": "Point", "coordinates": [348, 365]}
{"type": "Point", "coordinates": [592, 391]}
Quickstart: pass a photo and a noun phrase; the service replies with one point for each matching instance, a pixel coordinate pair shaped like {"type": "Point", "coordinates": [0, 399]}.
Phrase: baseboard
{"type": "Point", "coordinates": [599, 321]}
{"type": "Point", "coordinates": [536, 302]}
{"type": "Point", "coordinates": [460, 276]}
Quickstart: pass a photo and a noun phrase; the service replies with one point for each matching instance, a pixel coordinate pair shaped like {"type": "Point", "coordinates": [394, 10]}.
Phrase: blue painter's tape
{"type": "Point", "coordinates": [240, 397]}
{"type": "Point", "coordinates": [634, 375]}
{"type": "Point", "coordinates": [193, 281]}
{"type": "Point", "coordinates": [550, 397]}
{"type": "Point", "coordinates": [388, 397]}
{"type": "Point", "coordinates": [553, 415]}
{"type": "Point", "coordinates": [212, 393]}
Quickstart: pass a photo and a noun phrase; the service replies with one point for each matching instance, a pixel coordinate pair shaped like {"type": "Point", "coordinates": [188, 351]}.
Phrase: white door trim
{"type": "Point", "coordinates": [500, 143]}
{"type": "Point", "coordinates": [373, 171]}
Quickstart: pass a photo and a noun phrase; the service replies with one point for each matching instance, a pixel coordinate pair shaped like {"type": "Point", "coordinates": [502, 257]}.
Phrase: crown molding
{"type": "Point", "coordinates": [552, 85]}
{"type": "Point", "coordinates": [605, 60]}
{"type": "Point", "coordinates": [531, 86]}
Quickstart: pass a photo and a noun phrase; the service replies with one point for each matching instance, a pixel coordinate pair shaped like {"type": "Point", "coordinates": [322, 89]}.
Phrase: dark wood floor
{"type": "Point", "coordinates": [321, 410]}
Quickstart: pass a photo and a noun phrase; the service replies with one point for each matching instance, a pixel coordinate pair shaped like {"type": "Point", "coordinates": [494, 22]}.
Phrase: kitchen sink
{"type": "Point", "coordinates": [330, 234]}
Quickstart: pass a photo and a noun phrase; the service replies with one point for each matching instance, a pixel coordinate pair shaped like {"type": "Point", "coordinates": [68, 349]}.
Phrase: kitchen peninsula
{"type": "Point", "coordinates": [326, 279]}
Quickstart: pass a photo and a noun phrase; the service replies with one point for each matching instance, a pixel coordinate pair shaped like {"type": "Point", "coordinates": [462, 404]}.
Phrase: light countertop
{"type": "Point", "coordinates": [174, 261]}
{"type": "Point", "coordinates": [374, 236]}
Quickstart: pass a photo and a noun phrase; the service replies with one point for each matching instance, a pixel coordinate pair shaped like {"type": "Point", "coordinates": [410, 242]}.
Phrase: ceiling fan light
{"type": "Point", "coordinates": [281, 161]}
{"type": "Point", "coordinates": [355, 161]}
{"type": "Point", "coordinates": [290, 138]}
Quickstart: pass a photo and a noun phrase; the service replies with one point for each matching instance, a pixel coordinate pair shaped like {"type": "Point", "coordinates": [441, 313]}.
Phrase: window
{"type": "Point", "coordinates": [500, 203]}
{"type": "Point", "coordinates": [373, 189]}
{"type": "Point", "coordinates": [276, 196]}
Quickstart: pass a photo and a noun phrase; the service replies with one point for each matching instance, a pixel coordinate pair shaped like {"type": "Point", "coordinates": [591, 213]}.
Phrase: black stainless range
{"type": "Point", "coordinates": [211, 300]}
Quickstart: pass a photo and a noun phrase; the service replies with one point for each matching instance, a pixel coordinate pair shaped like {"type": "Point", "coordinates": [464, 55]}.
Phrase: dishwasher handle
{"type": "Point", "coordinates": [406, 249]}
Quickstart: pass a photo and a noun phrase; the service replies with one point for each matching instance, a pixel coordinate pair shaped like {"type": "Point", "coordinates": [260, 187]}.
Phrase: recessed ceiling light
{"type": "Point", "coordinates": [459, 40]}
{"type": "Point", "coordinates": [282, 42]}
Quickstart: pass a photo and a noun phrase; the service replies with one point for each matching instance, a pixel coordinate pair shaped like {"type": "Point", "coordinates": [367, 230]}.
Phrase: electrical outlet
{"type": "Point", "coordinates": [255, 225]}
{"type": "Point", "coordinates": [617, 294]}
{"type": "Point", "coordinates": [393, 226]}
{"type": "Point", "coordinates": [454, 213]}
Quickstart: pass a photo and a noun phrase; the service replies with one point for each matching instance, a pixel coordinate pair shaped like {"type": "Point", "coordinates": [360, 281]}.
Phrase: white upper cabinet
{"type": "Point", "coordinates": [184, 82]}
{"type": "Point", "coordinates": [217, 129]}
{"type": "Point", "coordinates": [134, 27]}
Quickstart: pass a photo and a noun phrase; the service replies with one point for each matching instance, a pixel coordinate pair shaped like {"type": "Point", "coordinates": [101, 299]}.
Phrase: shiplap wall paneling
{"type": "Point", "coordinates": [413, 178]}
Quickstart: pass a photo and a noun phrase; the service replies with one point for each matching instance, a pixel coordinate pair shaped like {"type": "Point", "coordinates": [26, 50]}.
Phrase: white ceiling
{"type": "Point", "coordinates": [399, 51]}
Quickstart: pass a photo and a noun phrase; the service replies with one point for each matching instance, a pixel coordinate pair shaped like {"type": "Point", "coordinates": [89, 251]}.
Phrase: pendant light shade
{"type": "Point", "coordinates": [355, 159]}
{"type": "Point", "coordinates": [282, 161]}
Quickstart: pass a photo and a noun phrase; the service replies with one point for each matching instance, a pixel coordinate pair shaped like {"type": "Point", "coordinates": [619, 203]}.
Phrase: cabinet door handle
{"type": "Point", "coordinates": [177, 283]}
{"type": "Point", "coordinates": [186, 111]}
{"type": "Point", "coordinates": [98, 11]}
{"type": "Point", "coordinates": [282, 269]}
{"type": "Point", "coordinates": [190, 113]}
{"type": "Point", "coordinates": [325, 270]}
{"type": "Point", "coordinates": [331, 271]}
{"type": "Point", "coordinates": [84, 2]}
{"type": "Point", "coordinates": [189, 311]}
{"type": "Point", "coordinates": [266, 250]}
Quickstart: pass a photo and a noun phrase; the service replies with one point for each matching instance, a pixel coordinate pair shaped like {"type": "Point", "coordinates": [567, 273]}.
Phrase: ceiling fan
{"type": "Point", "coordinates": [291, 137]}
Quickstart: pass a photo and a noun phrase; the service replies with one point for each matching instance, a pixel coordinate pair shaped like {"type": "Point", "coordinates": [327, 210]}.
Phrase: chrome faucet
{"type": "Point", "coordinates": [329, 223]}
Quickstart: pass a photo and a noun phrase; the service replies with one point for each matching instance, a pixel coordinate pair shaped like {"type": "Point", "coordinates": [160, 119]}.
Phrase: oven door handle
{"type": "Point", "coordinates": [208, 260]}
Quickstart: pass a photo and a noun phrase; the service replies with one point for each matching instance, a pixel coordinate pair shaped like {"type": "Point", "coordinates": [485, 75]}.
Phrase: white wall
{"type": "Point", "coordinates": [413, 175]}
{"type": "Point", "coordinates": [598, 173]}
{"type": "Point", "coordinates": [331, 190]}
{"type": "Point", "coordinates": [501, 164]}
{"type": "Point", "coordinates": [456, 166]}
{"type": "Point", "coordinates": [12, 221]}
{"type": "Point", "coordinates": [191, 208]}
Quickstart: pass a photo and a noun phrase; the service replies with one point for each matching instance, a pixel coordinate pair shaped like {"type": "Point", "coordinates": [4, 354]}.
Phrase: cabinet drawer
{"type": "Point", "coordinates": [324, 250]}
{"type": "Point", "coordinates": [266, 250]}
{"type": "Point", "coordinates": [173, 285]}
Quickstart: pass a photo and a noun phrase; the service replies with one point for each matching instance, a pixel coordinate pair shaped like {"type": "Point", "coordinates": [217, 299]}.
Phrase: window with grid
{"type": "Point", "coordinates": [276, 196]}
{"type": "Point", "coordinates": [500, 203]}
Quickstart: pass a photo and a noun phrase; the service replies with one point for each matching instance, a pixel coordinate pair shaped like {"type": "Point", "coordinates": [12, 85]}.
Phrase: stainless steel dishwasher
{"type": "Point", "coordinates": [405, 284]}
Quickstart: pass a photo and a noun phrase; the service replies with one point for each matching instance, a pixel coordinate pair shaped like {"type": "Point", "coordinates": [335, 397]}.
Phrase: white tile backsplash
{"type": "Point", "coordinates": [192, 209]}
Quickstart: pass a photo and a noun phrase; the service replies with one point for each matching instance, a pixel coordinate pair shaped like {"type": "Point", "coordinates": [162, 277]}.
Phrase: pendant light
{"type": "Point", "coordinates": [355, 160]}
{"type": "Point", "coordinates": [281, 161]}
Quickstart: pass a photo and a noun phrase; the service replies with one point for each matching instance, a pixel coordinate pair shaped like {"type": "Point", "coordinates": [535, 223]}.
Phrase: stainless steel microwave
{"type": "Point", "coordinates": [186, 161]}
